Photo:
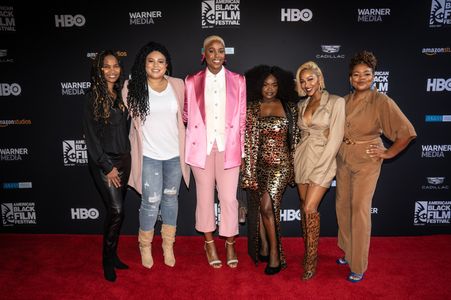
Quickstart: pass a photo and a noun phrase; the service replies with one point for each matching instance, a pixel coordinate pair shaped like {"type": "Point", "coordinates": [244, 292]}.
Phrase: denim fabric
{"type": "Point", "coordinates": [160, 189]}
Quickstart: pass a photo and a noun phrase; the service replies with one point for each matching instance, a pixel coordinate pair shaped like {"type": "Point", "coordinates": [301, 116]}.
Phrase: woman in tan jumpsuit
{"type": "Point", "coordinates": [368, 115]}
{"type": "Point", "coordinates": [321, 121]}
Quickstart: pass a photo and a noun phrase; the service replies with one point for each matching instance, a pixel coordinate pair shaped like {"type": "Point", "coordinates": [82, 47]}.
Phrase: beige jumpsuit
{"type": "Point", "coordinates": [357, 172]}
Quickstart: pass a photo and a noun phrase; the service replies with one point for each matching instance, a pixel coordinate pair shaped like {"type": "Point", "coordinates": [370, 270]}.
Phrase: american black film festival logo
{"type": "Point", "coordinates": [23, 213]}
{"type": "Point", "coordinates": [440, 15]}
{"type": "Point", "coordinates": [432, 212]}
{"type": "Point", "coordinates": [75, 153]}
{"type": "Point", "coordinates": [220, 13]}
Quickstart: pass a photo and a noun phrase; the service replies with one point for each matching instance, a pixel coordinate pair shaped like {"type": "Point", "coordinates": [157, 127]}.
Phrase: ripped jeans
{"type": "Point", "coordinates": [160, 189]}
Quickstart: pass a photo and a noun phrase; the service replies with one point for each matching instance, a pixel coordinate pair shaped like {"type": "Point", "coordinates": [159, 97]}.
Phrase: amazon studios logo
{"type": "Point", "coordinates": [435, 183]}
{"type": "Point", "coordinates": [220, 13]}
{"type": "Point", "coordinates": [23, 213]}
{"type": "Point", "coordinates": [75, 153]}
{"type": "Point", "coordinates": [432, 212]}
{"type": "Point", "coordinates": [440, 13]}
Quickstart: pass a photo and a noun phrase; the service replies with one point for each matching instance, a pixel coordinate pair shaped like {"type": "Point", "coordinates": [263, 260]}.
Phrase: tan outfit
{"type": "Point", "coordinates": [314, 158]}
{"type": "Point", "coordinates": [357, 172]}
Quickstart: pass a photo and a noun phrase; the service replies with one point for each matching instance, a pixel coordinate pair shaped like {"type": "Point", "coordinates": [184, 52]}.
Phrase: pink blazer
{"type": "Point", "coordinates": [136, 137]}
{"type": "Point", "coordinates": [194, 117]}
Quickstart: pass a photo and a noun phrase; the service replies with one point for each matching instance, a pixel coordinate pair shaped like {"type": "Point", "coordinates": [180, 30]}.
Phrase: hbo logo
{"type": "Point", "coordinates": [294, 15]}
{"type": "Point", "coordinates": [10, 89]}
{"type": "Point", "coordinates": [290, 215]}
{"type": "Point", "coordinates": [438, 85]}
{"type": "Point", "coordinates": [69, 21]}
{"type": "Point", "coordinates": [84, 213]}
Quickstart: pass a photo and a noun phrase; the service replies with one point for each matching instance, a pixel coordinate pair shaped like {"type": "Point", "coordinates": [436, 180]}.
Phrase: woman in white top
{"type": "Point", "coordinates": [157, 137]}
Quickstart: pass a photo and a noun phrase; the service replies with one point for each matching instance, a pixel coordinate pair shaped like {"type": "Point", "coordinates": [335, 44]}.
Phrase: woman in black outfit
{"type": "Point", "coordinates": [106, 127]}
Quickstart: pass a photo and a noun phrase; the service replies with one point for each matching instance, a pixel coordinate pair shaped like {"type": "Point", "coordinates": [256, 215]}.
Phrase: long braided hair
{"type": "Point", "coordinates": [101, 99]}
{"type": "Point", "coordinates": [138, 92]}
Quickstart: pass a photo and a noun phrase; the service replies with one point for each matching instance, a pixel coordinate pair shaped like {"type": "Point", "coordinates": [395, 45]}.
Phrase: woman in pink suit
{"type": "Point", "coordinates": [215, 116]}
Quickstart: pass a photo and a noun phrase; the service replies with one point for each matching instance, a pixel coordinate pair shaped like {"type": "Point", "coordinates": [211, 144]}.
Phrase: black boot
{"type": "Point", "coordinates": [108, 269]}
{"type": "Point", "coordinates": [118, 264]}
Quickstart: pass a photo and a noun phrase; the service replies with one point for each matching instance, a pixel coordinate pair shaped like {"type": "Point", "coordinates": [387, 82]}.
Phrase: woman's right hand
{"type": "Point", "coordinates": [113, 178]}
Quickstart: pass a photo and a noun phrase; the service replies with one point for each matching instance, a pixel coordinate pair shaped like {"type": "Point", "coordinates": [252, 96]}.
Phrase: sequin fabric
{"type": "Point", "coordinates": [268, 168]}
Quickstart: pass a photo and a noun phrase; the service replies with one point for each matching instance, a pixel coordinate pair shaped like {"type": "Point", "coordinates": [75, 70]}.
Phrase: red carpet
{"type": "Point", "coordinates": [69, 267]}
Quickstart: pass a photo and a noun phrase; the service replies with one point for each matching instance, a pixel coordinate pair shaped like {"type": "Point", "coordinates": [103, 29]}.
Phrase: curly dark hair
{"type": "Point", "coordinates": [138, 93]}
{"type": "Point", "coordinates": [363, 57]}
{"type": "Point", "coordinates": [255, 79]}
{"type": "Point", "coordinates": [101, 99]}
{"type": "Point", "coordinates": [286, 91]}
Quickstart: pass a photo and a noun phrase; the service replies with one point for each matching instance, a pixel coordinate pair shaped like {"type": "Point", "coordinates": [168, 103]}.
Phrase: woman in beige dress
{"type": "Point", "coordinates": [368, 115]}
{"type": "Point", "coordinates": [321, 121]}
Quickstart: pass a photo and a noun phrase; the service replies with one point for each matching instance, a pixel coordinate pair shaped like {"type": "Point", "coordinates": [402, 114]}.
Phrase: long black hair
{"type": "Point", "coordinates": [101, 99]}
{"type": "Point", "coordinates": [138, 92]}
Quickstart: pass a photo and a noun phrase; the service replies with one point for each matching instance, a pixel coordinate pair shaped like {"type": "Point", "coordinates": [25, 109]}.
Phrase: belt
{"type": "Point", "coordinates": [349, 141]}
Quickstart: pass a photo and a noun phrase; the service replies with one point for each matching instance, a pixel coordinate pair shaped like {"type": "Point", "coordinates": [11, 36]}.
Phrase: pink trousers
{"type": "Point", "coordinates": [226, 182]}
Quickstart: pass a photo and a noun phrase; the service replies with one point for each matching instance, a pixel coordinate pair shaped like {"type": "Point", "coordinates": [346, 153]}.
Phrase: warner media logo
{"type": "Point", "coordinates": [435, 184]}
{"type": "Point", "coordinates": [144, 17]}
{"type": "Point", "coordinates": [438, 85]}
{"type": "Point", "coordinates": [435, 51]}
{"type": "Point", "coordinates": [220, 13]}
{"type": "Point", "coordinates": [17, 185]}
{"type": "Point", "coordinates": [10, 89]}
{"type": "Point", "coordinates": [330, 51]}
{"type": "Point", "coordinates": [74, 88]}
{"type": "Point", "coordinates": [12, 154]}
{"type": "Point", "coordinates": [432, 212]}
{"type": "Point", "coordinates": [75, 153]}
{"type": "Point", "coordinates": [434, 151]}
{"type": "Point", "coordinates": [440, 14]}
{"type": "Point", "coordinates": [295, 15]}
{"type": "Point", "coordinates": [7, 20]}
{"type": "Point", "coordinates": [70, 20]}
{"type": "Point", "coordinates": [372, 14]}
{"type": "Point", "coordinates": [23, 213]}
{"type": "Point", "coordinates": [438, 118]}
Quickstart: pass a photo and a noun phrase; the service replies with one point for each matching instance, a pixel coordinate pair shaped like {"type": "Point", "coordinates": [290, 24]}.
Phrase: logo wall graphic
{"type": "Point", "coordinates": [144, 17]}
{"type": "Point", "coordinates": [295, 15]}
{"type": "Point", "coordinates": [440, 14]}
{"type": "Point", "coordinates": [381, 81]}
{"type": "Point", "coordinates": [435, 51]}
{"type": "Point", "coordinates": [22, 213]}
{"type": "Point", "coordinates": [70, 20]}
{"type": "Point", "coordinates": [4, 56]}
{"type": "Point", "coordinates": [438, 118]}
{"type": "Point", "coordinates": [74, 88]}
{"type": "Point", "coordinates": [220, 13]}
{"type": "Point", "coordinates": [84, 213]}
{"type": "Point", "coordinates": [7, 20]}
{"type": "Point", "coordinates": [6, 123]}
{"type": "Point", "coordinates": [432, 212]}
{"type": "Point", "coordinates": [17, 185]}
{"type": "Point", "coordinates": [75, 153]}
{"type": "Point", "coordinates": [438, 84]}
{"type": "Point", "coordinates": [10, 89]}
{"type": "Point", "coordinates": [330, 51]}
{"type": "Point", "coordinates": [12, 154]}
{"type": "Point", "coordinates": [434, 151]}
{"type": "Point", "coordinates": [372, 14]}
{"type": "Point", "coordinates": [435, 184]}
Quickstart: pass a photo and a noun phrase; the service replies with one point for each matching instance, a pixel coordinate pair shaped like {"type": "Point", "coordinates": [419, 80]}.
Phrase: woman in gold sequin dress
{"type": "Point", "coordinates": [270, 140]}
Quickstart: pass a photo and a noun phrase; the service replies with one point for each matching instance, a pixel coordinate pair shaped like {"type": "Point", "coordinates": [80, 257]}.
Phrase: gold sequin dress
{"type": "Point", "coordinates": [268, 166]}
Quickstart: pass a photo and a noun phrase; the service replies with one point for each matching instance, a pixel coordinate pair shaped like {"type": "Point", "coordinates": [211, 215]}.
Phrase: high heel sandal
{"type": "Point", "coordinates": [213, 260]}
{"type": "Point", "coordinates": [341, 261]}
{"type": "Point", "coordinates": [272, 270]}
{"type": "Point", "coordinates": [355, 277]}
{"type": "Point", "coordinates": [232, 262]}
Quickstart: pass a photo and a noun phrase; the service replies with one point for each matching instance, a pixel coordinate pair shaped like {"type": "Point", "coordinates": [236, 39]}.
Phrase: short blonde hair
{"type": "Point", "coordinates": [310, 65]}
{"type": "Point", "coordinates": [212, 38]}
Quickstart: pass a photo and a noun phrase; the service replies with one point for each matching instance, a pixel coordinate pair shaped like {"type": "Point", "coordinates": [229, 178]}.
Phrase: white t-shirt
{"type": "Point", "coordinates": [160, 131]}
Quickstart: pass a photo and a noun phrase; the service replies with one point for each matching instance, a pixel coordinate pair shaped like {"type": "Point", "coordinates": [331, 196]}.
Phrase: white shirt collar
{"type": "Point", "coordinates": [220, 74]}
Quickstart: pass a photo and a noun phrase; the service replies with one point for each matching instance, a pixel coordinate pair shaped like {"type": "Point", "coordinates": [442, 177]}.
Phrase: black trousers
{"type": "Point", "coordinates": [113, 199]}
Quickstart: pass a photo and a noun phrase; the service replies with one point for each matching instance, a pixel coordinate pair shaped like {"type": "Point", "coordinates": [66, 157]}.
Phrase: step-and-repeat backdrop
{"type": "Point", "coordinates": [46, 53]}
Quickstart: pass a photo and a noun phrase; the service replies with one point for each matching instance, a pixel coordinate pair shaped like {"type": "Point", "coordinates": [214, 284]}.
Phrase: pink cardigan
{"type": "Point", "coordinates": [136, 137]}
{"type": "Point", "coordinates": [235, 119]}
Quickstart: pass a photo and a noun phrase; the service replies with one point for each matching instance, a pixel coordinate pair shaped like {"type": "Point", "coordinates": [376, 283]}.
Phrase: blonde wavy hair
{"type": "Point", "coordinates": [310, 65]}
